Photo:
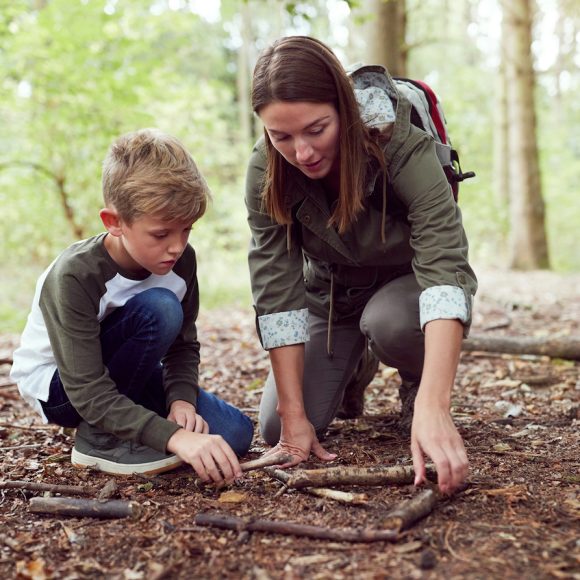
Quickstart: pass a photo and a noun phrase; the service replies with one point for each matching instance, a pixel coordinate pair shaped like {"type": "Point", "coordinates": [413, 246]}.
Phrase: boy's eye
{"type": "Point", "coordinates": [159, 236]}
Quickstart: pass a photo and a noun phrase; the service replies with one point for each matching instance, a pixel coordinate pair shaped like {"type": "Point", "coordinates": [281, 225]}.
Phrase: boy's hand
{"type": "Point", "coordinates": [183, 413]}
{"type": "Point", "coordinates": [209, 455]}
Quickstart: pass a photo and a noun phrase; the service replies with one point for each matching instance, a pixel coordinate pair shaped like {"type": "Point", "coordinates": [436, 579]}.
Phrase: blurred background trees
{"type": "Point", "coordinates": [77, 73]}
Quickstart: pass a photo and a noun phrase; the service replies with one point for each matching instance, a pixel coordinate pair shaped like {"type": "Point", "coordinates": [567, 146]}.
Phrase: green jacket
{"type": "Point", "coordinates": [423, 234]}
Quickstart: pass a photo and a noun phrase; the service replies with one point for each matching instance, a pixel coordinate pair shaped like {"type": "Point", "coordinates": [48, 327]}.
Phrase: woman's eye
{"type": "Point", "coordinates": [317, 131]}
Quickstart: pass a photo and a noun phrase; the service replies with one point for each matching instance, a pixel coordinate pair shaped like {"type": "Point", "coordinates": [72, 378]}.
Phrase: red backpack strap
{"type": "Point", "coordinates": [434, 110]}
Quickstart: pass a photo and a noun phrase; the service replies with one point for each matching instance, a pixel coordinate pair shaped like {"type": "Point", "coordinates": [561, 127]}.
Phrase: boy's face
{"type": "Point", "coordinates": [149, 243]}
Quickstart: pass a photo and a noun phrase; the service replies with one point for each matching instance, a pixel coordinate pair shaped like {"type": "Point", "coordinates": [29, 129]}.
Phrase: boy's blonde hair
{"type": "Point", "coordinates": [148, 172]}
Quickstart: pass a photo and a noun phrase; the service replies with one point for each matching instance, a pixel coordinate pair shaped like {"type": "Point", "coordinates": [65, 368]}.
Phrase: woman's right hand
{"type": "Point", "coordinates": [298, 438]}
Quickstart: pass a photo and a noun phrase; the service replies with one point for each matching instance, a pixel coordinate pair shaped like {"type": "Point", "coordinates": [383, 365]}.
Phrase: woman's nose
{"type": "Point", "coordinates": [303, 151]}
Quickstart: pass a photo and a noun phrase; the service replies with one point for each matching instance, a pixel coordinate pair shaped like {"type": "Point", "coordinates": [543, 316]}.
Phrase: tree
{"type": "Point", "coordinates": [384, 31]}
{"type": "Point", "coordinates": [528, 241]}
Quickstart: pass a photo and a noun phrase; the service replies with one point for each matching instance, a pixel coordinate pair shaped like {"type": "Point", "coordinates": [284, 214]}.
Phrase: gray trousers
{"type": "Point", "coordinates": [390, 322]}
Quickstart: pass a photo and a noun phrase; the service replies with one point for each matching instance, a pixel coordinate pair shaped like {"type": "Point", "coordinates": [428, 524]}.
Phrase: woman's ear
{"type": "Point", "coordinates": [111, 221]}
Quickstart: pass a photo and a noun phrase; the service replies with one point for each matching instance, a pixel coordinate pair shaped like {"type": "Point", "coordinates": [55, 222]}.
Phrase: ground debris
{"type": "Point", "coordinates": [518, 518]}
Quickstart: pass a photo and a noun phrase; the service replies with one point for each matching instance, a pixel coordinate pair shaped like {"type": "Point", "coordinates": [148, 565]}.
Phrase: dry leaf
{"type": "Point", "coordinates": [232, 497]}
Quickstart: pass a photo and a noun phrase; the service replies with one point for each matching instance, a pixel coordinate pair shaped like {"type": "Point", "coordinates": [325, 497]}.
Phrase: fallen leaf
{"type": "Point", "coordinates": [232, 497]}
{"type": "Point", "coordinates": [501, 447]}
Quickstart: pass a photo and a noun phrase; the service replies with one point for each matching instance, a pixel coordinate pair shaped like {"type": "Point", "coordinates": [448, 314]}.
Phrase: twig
{"type": "Point", "coordinates": [30, 427]}
{"type": "Point", "coordinates": [260, 463]}
{"type": "Point", "coordinates": [66, 506]}
{"type": "Point", "coordinates": [337, 495]}
{"type": "Point", "coordinates": [448, 545]}
{"type": "Point", "coordinates": [412, 510]}
{"type": "Point", "coordinates": [340, 496]}
{"type": "Point", "coordinates": [293, 529]}
{"type": "Point", "coordinates": [266, 461]}
{"type": "Point", "coordinates": [50, 487]}
{"type": "Point", "coordinates": [31, 446]}
{"type": "Point", "coordinates": [378, 475]}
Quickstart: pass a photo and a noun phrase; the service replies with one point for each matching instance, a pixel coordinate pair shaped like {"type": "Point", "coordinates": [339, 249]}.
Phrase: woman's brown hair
{"type": "Point", "coordinates": [298, 69]}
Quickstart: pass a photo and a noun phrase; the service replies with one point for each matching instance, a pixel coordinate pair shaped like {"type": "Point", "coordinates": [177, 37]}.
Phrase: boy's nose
{"type": "Point", "coordinates": [176, 247]}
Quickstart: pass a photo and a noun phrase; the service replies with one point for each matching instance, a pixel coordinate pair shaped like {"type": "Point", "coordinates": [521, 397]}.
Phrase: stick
{"type": "Point", "coordinates": [260, 463]}
{"type": "Point", "coordinates": [292, 529]}
{"type": "Point", "coordinates": [266, 461]}
{"type": "Point", "coordinates": [66, 506]}
{"type": "Point", "coordinates": [412, 510]}
{"type": "Point", "coordinates": [340, 496]}
{"type": "Point", "coordinates": [567, 347]}
{"type": "Point", "coordinates": [337, 495]}
{"type": "Point", "coordinates": [53, 488]}
{"type": "Point", "coordinates": [379, 475]}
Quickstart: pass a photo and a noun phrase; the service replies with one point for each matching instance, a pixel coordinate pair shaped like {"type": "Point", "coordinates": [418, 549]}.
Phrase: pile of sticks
{"type": "Point", "coordinates": [99, 504]}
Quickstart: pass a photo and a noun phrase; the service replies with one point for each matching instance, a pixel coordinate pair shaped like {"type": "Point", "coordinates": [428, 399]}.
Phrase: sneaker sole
{"type": "Point", "coordinates": [83, 461]}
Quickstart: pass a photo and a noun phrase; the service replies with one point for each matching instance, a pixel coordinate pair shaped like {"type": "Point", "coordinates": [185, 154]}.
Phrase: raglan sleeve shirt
{"type": "Point", "coordinates": [69, 303]}
{"type": "Point", "coordinates": [276, 272]}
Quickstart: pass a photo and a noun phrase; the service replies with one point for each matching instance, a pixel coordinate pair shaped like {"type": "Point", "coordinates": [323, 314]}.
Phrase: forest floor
{"type": "Point", "coordinates": [518, 518]}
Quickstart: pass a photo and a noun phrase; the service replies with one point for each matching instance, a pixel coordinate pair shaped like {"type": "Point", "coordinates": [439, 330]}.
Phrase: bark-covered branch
{"type": "Point", "coordinates": [566, 347]}
{"type": "Point", "coordinates": [378, 475]}
{"type": "Point", "coordinates": [293, 529]}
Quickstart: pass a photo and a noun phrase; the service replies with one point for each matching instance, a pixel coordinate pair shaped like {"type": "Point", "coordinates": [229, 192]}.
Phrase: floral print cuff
{"type": "Point", "coordinates": [443, 302]}
{"type": "Point", "coordinates": [284, 328]}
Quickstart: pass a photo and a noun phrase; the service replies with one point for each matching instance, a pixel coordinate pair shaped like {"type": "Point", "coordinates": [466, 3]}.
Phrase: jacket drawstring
{"type": "Point", "coordinates": [288, 238]}
{"type": "Point", "coordinates": [329, 348]}
{"type": "Point", "coordinates": [384, 216]}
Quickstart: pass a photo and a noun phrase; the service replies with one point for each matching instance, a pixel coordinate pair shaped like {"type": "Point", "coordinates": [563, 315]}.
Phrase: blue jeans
{"type": "Point", "coordinates": [134, 339]}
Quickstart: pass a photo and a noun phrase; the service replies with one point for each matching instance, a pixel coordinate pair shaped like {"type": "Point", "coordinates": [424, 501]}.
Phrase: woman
{"type": "Point", "coordinates": [356, 242]}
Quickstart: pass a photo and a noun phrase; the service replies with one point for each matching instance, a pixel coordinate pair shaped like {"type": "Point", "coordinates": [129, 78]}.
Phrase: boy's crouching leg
{"type": "Point", "coordinates": [101, 450]}
{"type": "Point", "coordinates": [226, 420]}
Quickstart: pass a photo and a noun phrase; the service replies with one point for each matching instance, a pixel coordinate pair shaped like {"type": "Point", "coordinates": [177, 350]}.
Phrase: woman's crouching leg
{"type": "Point", "coordinates": [390, 321]}
{"type": "Point", "coordinates": [325, 377]}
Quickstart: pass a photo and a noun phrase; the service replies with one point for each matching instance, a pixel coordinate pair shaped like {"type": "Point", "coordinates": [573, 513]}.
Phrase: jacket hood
{"type": "Point", "coordinates": [375, 93]}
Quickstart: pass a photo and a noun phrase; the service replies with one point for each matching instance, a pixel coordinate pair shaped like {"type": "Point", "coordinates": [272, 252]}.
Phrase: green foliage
{"type": "Point", "coordinates": [78, 73]}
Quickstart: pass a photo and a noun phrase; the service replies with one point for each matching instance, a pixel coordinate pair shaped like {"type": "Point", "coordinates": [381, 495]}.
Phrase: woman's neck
{"type": "Point", "coordinates": [332, 181]}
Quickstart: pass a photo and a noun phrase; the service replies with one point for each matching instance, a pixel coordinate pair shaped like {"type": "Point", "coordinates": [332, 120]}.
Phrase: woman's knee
{"type": "Point", "coordinates": [270, 429]}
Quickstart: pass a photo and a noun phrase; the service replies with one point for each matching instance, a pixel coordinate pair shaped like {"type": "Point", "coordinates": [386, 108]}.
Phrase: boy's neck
{"type": "Point", "coordinates": [119, 255]}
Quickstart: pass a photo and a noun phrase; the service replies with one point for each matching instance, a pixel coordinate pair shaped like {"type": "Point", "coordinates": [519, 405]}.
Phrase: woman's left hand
{"type": "Point", "coordinates": [184, 414]}
{"type": "Point", "coordinates": [434, 434]}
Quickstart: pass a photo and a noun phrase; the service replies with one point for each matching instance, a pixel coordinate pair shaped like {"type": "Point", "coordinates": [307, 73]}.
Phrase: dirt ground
{"type": "Point", "coordinates": [518, 518]}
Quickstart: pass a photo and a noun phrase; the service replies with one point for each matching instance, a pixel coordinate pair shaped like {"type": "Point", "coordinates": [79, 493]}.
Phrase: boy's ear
{"type": "Point", "coordinates": [111, 221]}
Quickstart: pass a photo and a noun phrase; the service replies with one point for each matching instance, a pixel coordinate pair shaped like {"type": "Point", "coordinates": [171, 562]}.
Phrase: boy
{"type": "Point", "coordinates": [110, 346]}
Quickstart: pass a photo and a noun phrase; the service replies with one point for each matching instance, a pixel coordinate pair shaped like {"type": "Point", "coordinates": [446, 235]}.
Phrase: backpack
{"type": "Point", "coordinates": [427, 114]}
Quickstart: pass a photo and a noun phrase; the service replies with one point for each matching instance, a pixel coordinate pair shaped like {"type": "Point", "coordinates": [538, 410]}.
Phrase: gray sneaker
{"type": "Point", "coordinates": [103, 451]}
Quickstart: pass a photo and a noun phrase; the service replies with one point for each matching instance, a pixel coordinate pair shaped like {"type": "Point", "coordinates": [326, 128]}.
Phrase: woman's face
{"type": "Point", "coordinates": [305, 134]}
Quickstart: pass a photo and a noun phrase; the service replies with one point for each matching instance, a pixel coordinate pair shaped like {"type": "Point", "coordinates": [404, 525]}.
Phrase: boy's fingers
{"type": "Point", "coordinates": [198, 424]}
{"type": "Point", "coordinates": [199, 468]}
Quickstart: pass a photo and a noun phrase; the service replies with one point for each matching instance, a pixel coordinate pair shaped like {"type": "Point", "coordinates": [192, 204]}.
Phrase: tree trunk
{"type": "Point", "coordinates": [243, 76]}
{"type": "Point", "coordinates": [501, 159]}
{"type": "Point", "coordinates": [385, 33]}
{"type": "Point", "coordinates": [528, 243]}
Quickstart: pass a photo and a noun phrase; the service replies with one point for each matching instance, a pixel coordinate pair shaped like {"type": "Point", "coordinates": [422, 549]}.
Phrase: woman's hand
{"type": "Point", "coordinates": [298, 438]}
{"type": "Point", "coordinates": [210, 456]}
{"type": "Point", "coordinates": [434, 434]}
{"type": "Point", "coordinates": [183, 413]}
